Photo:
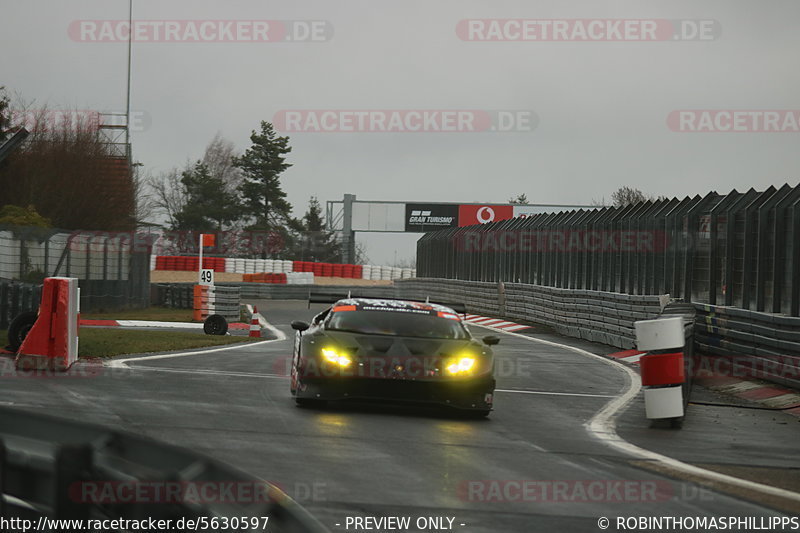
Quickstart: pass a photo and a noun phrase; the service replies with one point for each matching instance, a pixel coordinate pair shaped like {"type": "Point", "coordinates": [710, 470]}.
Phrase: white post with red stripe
{"type": "Point", "coordinates": [662, 368]}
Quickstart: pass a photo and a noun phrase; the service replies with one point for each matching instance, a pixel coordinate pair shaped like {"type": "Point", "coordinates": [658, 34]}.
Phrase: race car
{"type": "Point", "coordinates": [379, 350]}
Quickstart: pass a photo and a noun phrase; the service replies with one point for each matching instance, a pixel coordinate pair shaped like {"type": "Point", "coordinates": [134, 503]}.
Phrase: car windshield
{"type": "Point", "coordinates": [397, 323]}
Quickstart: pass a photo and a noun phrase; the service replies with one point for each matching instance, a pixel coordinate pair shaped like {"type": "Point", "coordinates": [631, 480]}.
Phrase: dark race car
{"type": "Point", "coordinates": [392, 350]}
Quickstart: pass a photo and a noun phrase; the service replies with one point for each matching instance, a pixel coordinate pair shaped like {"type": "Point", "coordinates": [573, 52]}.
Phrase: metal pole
{"type": "Point", "coordinates": [128, 98]}
{"type": "Point", "coordinates": [200, 266]}
{"type": "Point", "coordinates": [348, 235]}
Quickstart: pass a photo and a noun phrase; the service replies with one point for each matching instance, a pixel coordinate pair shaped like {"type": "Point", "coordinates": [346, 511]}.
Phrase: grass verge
{"type": "Point", "coordinates": [100, 342]}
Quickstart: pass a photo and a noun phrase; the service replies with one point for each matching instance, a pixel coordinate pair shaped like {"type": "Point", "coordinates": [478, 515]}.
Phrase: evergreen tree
{"type": "Point", "coordinates": [263, 199]}
{"type": "Point", "coordinates": [317, 242]}
{"type": "Point", "coordinates": [209, 206]}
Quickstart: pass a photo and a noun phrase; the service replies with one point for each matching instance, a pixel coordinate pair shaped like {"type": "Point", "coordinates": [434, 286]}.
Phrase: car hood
{"type": "Point", "coordinates": [361, 345]}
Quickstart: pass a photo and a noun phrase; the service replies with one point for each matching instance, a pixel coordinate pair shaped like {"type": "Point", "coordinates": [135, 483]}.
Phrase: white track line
{"type": "Point", "coordinates": [545, 393]}
{"type": "Point", "coordinates": [123, 362]}
{"type": "Point", "coordinates": [603, 426]}
{"type": "Point", "coordinates": [201, 371]}
{"type": "Point", "coordinates": [263, 323]}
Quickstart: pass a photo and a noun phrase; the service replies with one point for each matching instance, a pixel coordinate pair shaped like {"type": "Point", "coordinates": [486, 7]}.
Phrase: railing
{"type": "Point", "coordinates": [592, 315]}
{"type": "Point", "coordinates": [755, 344]}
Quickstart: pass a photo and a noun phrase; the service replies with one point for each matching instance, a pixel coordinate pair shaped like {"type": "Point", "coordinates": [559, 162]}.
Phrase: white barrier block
{"type": "Point", "coordinates": [660, 334]}
{"type": "Point", "coordinates": [666, 402]}
{"type": "Point", "coordinates": [250, 266]}
{"type": "Point", "coordinates": [261, 265]}
{"type": "Point", "coordinates": [240, 266]}
{"type": "Point", "coordinates": [230, 264]}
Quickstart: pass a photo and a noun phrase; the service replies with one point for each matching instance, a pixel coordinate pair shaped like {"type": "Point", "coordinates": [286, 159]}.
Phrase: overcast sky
{"type": "Point", "coordinates": [599, 110]}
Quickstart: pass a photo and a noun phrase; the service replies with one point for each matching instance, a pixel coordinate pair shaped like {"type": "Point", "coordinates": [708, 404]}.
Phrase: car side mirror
{"type": "Point", "coordinates": [491, 340]}
{"type": "Point", "coordinates": [299, 325]}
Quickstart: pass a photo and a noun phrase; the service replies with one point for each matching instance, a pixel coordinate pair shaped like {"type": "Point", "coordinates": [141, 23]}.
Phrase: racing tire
{"type": "Point", "coordinates": [215, 325]}
{"type": "Point", "coordinates": [310, 402]}
{"type": "Point", "coordinates": [19, 328]}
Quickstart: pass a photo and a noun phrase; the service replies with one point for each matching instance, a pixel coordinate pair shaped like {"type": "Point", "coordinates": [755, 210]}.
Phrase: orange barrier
{"type": "Point", "coordinates": [52, 342]}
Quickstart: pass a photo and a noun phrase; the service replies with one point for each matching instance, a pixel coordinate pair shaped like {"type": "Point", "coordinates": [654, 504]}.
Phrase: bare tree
{"type": "Point", "coordinates": [628, 195]}
{"type": "Point", "coordinates": [168, 195]}
{"type": "Point", "coordinates": [145, 208]}
{"type": "Point", "coordinates": [68, 171]}
{"type": "Point", "coordinates": [218, 158]}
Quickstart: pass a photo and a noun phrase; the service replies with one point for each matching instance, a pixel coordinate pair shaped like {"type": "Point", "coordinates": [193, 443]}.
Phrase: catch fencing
{"type": "Point", "coordinates": [113, 268]}
{"type": "Point", "coordinates": [738, 249]}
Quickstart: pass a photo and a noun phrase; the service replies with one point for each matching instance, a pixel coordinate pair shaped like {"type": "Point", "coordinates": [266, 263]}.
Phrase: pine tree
{"type": "Point", "coordinates": [263, 199]}
{"type": "Point", "coordinates": [317, 242]}
{"type": "Point", "coordinates": [209, 206]}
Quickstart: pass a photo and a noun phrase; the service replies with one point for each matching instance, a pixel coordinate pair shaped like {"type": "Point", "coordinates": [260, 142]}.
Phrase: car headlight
{"type": "Point", "coordinates": [337, 358]}
{"type": "Point", "coordinates": [460, 365]}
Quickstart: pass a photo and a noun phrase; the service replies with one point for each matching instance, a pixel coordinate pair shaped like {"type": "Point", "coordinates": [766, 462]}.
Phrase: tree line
{"type": "Point", "coordinates": [67, 176]}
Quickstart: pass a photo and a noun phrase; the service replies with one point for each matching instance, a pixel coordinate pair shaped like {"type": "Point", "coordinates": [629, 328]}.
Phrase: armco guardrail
{"type": "Point", "coordinates": [592, 315]}
{"type": "Point", "coordinates": [16, 298]}
{"type": "Point", "coordinates": [755, 344]}
{"type": "Point", "coordinates": [60, 469]}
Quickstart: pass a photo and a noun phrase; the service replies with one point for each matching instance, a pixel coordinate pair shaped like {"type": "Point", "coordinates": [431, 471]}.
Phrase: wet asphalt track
{"type": "Point", "coordinates": [373, 461]}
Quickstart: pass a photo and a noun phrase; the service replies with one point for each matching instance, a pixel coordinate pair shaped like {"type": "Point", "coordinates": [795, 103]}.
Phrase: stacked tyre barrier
{"type": "Point", "coordinates": [16, 298]}
{"type": "Point", "coordinates": [288, 278]}
{"type": "Point", "coordinates": [173, 295]}
{"type": "Point", "coordinates": [375, 272]}
{"type": "Point", "coordinates": [281, 266]}
{"type": "Point", "coordinates": [760, 345]}
{"type": "Point", "coordinates": [186, 263]}
{"type": "Point", "coordinates": [329, 270]}
{"type": "Point", "coordinates": [215, 300]}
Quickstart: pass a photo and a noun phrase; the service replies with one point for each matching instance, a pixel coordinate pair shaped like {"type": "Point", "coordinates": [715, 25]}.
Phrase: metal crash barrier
{"type": "Point", "coordinates": [54, 469]}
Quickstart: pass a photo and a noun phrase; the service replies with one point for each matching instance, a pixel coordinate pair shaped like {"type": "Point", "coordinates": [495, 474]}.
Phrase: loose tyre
{"type": "Point", "coordinates": [215, 325]}
{"type": "Point", "coordinates": [19, 328]}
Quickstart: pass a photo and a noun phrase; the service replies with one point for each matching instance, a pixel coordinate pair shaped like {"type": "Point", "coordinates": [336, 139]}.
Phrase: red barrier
{"type": "Point", "coordinates": [662, 369]}
{"type": "Point", "coordinates": [52, 342]}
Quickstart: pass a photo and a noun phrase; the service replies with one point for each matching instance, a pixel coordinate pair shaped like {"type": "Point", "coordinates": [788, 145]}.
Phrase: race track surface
{"type": "Point", "coordinates": [360, 460]}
